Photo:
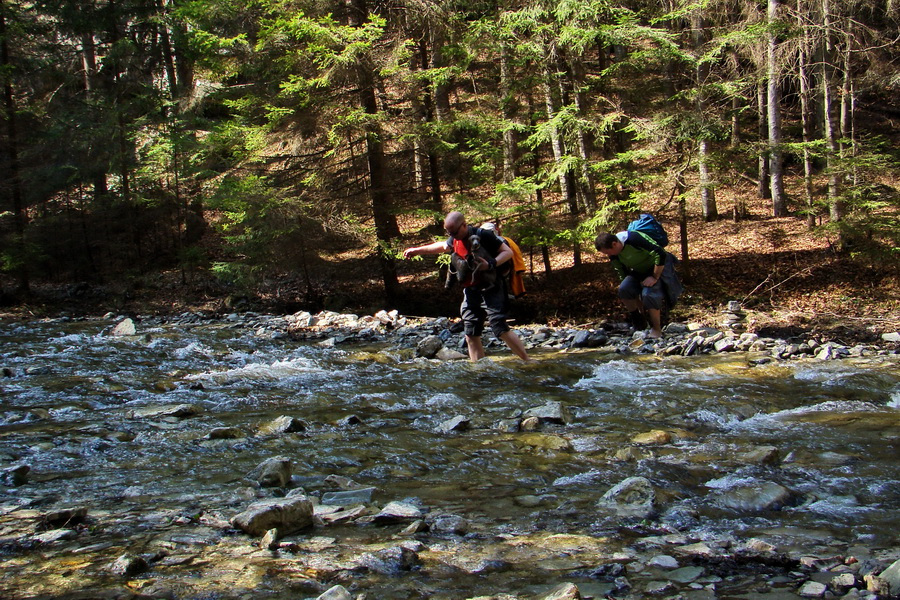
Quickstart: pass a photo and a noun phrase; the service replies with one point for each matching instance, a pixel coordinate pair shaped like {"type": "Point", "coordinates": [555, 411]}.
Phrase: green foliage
{"type": "Point", "coordinates": [253, 226]}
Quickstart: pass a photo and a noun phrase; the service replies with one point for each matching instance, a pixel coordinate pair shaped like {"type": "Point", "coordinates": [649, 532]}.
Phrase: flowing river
{"type": "Point", "coordinates": [80, 408]}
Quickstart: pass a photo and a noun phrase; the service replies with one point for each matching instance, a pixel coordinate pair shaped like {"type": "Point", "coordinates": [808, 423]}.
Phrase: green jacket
{"type": "Point", "coordinates": [639, 255]}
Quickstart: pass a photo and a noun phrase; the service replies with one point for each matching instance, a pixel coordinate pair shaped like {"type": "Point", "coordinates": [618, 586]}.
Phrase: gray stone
{"type": "Point", "coordinates": [686, 574]}
{"type": "Point", "coordinates": [125, 327]}
{"type": "Point", "coordinates": [272, 472]}
{"type": "Point", "coordinates": [338, 592]}
{"type": "Point", "coordinates": [564, 591]}
{"type": "Point", "coordinates": [812, 589]}
{"type": "Point", "coordinates": [755, 498]}
{"type": "Point", "coordinates": [390, 561]}
{"type": "Point", "coordinates": [128, 565]}
{"type": "Point", "coordinates": [429, 347]}
{"type": "Point", "coordinates": [552, 412]}
{"type": "Point", "coordinates": [288, 515]}
{"type": "Point", "coordinates": [395, 512]}
{"type": "Point", "coordinates": [664, 561]}
{"type": "Point", "coordinates": [632, 497]}
{"type": "Point", "coordinates": [55, 535]}
{"type": "Point", "coordinates": [348, 497]}
{"type": "Point", "coordinates": [457, 423]}
{"type": "Point", "coordinates": [450, 524]}
{"type": "Point", "coordinates": [283, 424]}
{"type": "Point", "coordinates": [15, 476]}
{"type": "Point", "coordinates": [892, 576]}
{"type": "Point", "coordinates": [179, 411]}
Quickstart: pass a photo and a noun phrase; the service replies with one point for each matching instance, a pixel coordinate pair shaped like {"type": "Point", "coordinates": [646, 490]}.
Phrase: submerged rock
{"type": "Point", "coordinates": [632, 497]}
{"type": "Point", "coordinates": [756, 498]}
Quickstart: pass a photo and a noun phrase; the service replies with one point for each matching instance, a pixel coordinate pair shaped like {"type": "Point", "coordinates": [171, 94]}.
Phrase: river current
{"type": "Point", "coordinates": [77, 407]}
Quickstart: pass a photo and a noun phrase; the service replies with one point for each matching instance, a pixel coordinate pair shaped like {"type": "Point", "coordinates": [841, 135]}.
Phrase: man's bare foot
{"type": "Point", "coordinates": [655, 334]}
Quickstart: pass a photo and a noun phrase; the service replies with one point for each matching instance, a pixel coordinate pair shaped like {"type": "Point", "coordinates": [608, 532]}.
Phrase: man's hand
{"type": "Point", "coordinates": [410, 252]}
{"type": "Point", "coordinates": [650, 281]}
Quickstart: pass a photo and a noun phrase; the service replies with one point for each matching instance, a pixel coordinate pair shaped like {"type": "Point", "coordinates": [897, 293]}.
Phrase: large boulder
{"type": "Point", "coordinates": [288, 515]}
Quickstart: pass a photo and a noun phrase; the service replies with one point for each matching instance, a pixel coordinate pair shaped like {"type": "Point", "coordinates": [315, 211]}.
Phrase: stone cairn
{"type": "Point", "coordinates": [733, 317]}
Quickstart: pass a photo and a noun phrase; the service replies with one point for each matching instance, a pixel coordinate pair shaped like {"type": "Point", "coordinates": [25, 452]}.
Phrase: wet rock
{"type": "Point", "coordinates": [349, 421]}
{"type": "Point", "coordinates": [686, 574]}
{"type": "Point", "coordinates": [651, 438]}
{"type": "Point", "coordinates": [283, 424]}
{"type": "Point", "coordinates": [588, 339]}
{"type": "Point", "coordinates": [15, 476]}
{"type": "Point", "coordinates": [65, 516]}
{"type": "Point", "coordinates": [446, 354]}
{"type": "Point", "coordinates": [225, 433]}
{"type": "Point", "coordinates": [546, 442]}
{"type": "Point", "coordinates": [396, 512]}
{"type": "Point", "coordinates": [270, 540]}
{"type": "Point", "coordinates": [128, 565]}
{"type": "Point", "coordinates": [812, 589]}
{"type": "Point", "coordinates": [55, 535]}
{"type": "Point", "coordinates": [349, 497]}
{"type": "Point", "coordinates": [892, 576]}
{"type": "Point", "coordinates": [843, 583]}
{"type": "Point", "coordinates": [457, 423]}
{"type": "Point", "coordinates": [530, 424]}
{"type": "Point", "coordinates": [565, 591]}
{"type": "Point", "coordinates": [552, 412]}
{"type": "Point", "coordinates": [507, 425]}
{"type": "Point", "coordinates": [632, 497]}
{"type": "Point", "coordinates": [338, 592]}
{"type": "Point", "coordinates": [429, 347]}
{"type": "Point", "coordinates": [179, 411]}
{"type": "Point", "coordinates": [390, 561]}
{"type": "Point", "coordinates": [288, 515]}
{"type": "Point", "coordinates": [125, 327]}
{"type": "Point", "coordinates": [272, 472]}
{"type": "Point", "coordinates": [756, 498]}
{"type": "Point", "coordinates": [762, 455]}
{"type": "Point", "coordinates": [453, 524]}
{"type": "Point", "coordinates": [663, 561]}
{"type": "Point", "coordinates": [877, 585]}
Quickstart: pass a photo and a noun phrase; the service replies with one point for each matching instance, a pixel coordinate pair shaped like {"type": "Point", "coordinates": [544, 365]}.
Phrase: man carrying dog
{"type": "Point", "coordinates": [477, 256]}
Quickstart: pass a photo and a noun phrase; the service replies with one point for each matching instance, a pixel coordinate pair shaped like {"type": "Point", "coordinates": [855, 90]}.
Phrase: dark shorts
{"type": "Point", "coordinates": [651, 297]}
{"type": "Point", "coordinates": [478, 305]}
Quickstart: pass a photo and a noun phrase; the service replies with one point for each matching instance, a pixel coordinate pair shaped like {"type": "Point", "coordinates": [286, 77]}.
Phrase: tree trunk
{"type": "Point", "coordinates": [386, 227]}
{"type": "Point", "coordinates": [12, 152]}
{"type": "Point", "coordinates": [763, 127]}
{"type": "Point", "coordinates": [508, 105]}
{"type": "Point", "coordinates": [585, 143]}
{"type": "Point", "coordinates": [776, 161]}
{"type": "Point", "coordinates": [682, 226]}
{"type": "Point", "coordinates": [836, 203]}
{"type": "Point", "coordinates": [707, 189]}
{"type": "Point", "coordinates": [806, 119]}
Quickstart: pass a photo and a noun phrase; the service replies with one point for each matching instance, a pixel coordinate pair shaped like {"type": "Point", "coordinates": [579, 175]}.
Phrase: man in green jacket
{"type": "Point", "coordinates": [640, 263]}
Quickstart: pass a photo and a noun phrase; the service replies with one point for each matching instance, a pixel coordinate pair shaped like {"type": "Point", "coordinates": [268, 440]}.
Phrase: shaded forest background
{"type": "Point", "coordinates": [274, 154]}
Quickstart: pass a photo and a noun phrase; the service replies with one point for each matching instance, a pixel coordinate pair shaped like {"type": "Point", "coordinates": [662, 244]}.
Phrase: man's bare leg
{"type": "Point", "coordinates": [515, 344]}
{"type": "Point", "coordinates": [476, 348]}
{"type": "Point", "coordinates": [655, 322]}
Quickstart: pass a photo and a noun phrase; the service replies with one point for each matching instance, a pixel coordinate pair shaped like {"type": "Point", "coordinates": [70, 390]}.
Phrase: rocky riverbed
{"type": "Point", "coordinates": [280, 532]}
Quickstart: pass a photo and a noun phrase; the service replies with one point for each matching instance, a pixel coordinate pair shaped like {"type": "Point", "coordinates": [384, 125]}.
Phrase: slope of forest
{"type": "Point", "coordinates": [278, 156]}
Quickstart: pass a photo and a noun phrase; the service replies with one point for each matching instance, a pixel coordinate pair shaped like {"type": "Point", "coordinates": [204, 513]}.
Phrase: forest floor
{"type": "Point", "coordinates": [789, 280]}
